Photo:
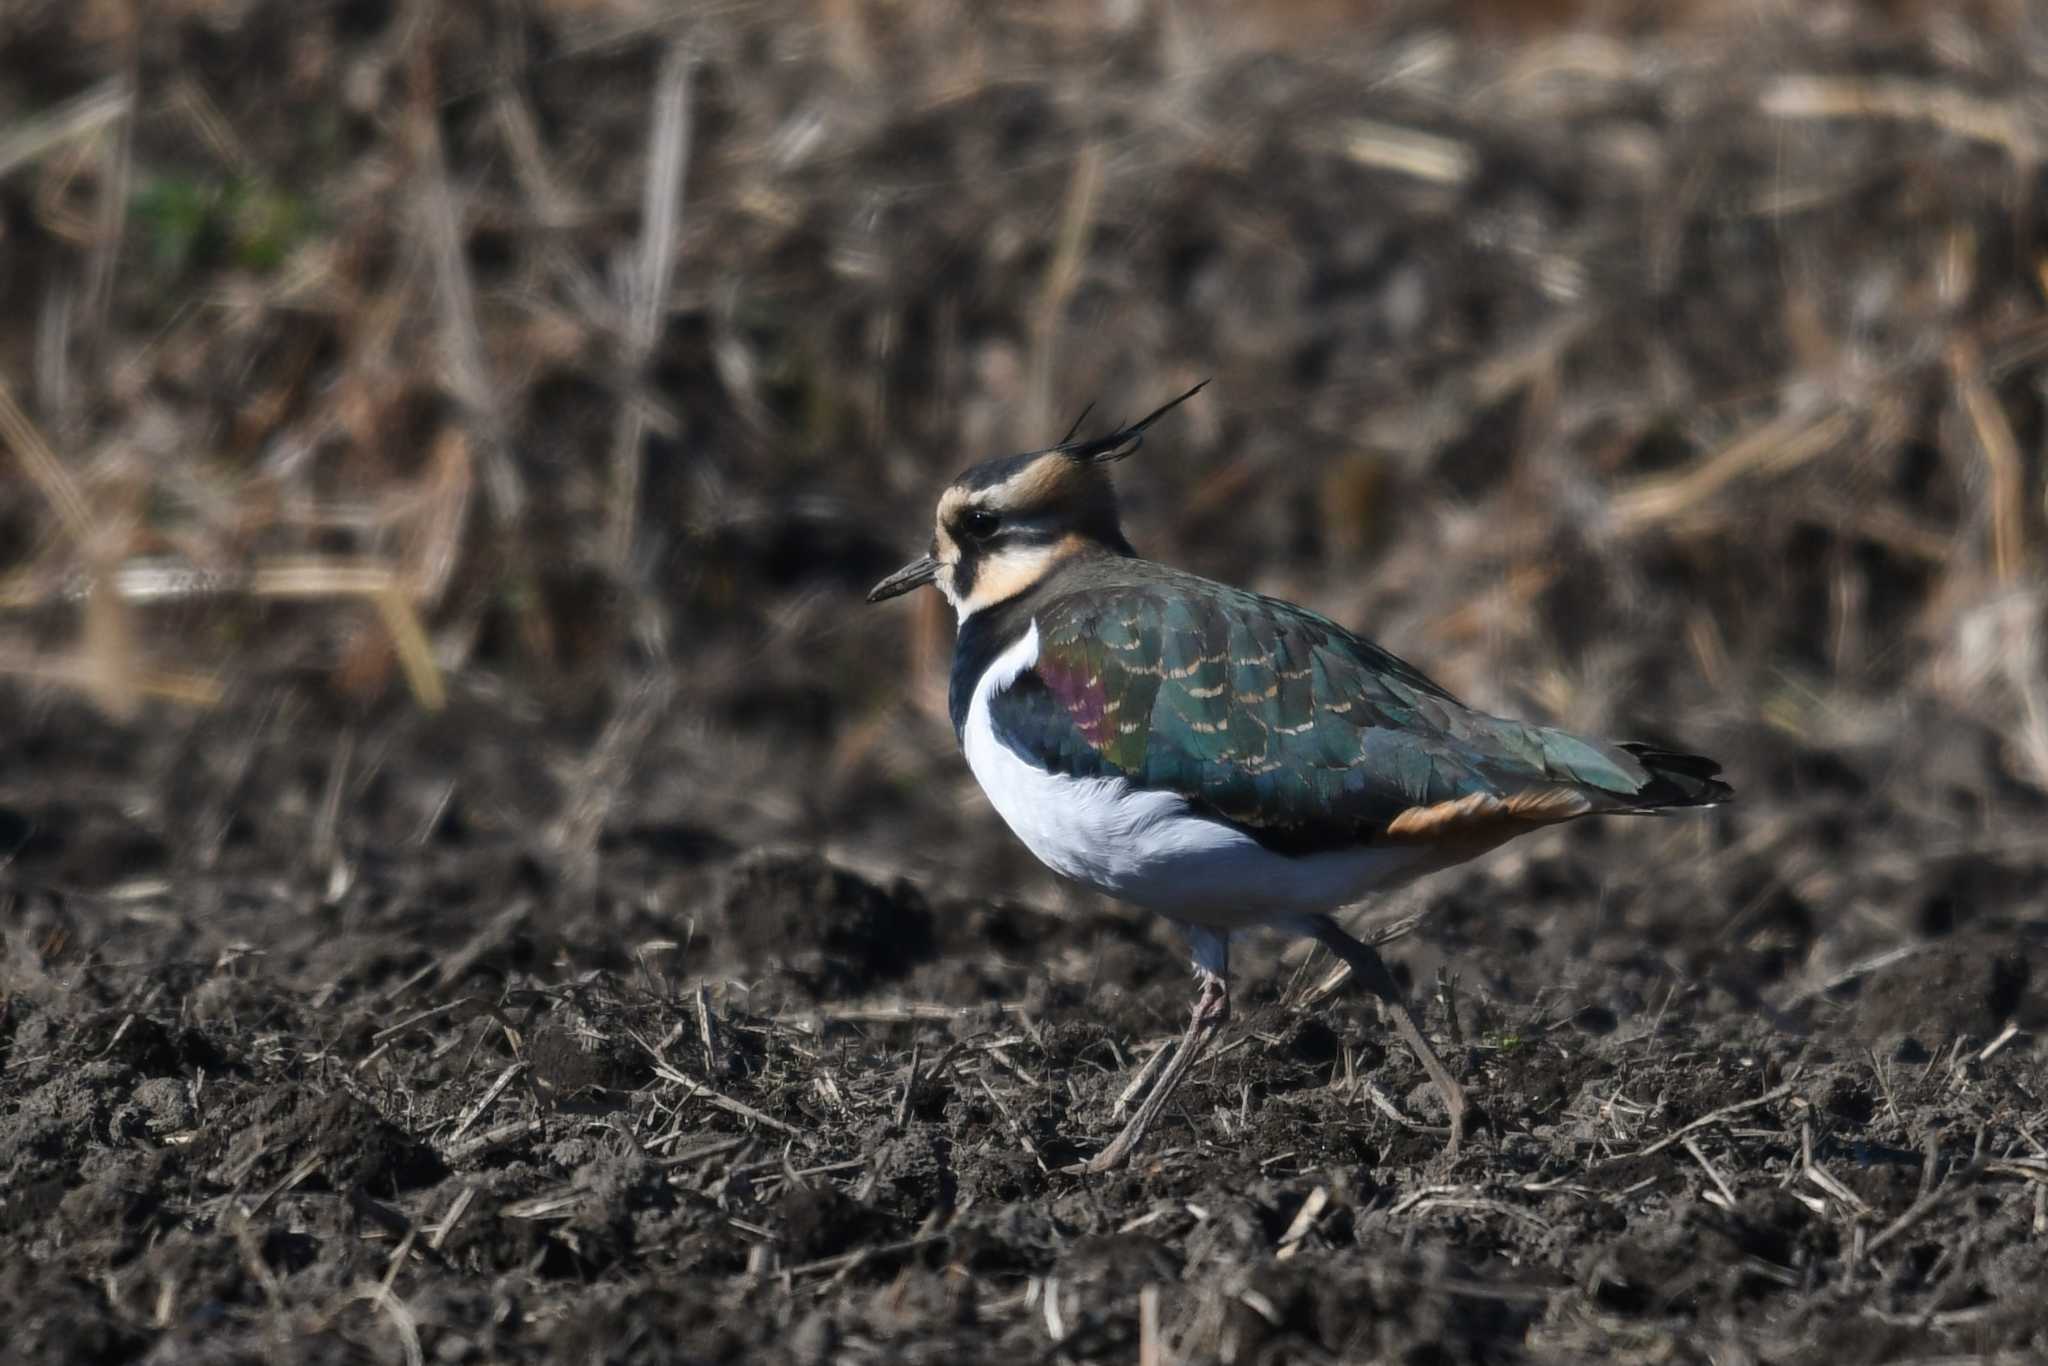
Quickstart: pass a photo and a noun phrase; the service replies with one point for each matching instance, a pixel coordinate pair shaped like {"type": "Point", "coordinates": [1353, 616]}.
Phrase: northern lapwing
{"type": "Point", "coordinates": [1225, 759]}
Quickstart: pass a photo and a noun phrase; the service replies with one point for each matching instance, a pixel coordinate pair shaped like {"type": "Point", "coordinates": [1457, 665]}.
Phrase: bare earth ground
{"type": "Point", "coordinates": [667, 994]}
{"type": "Point", "coordinates": [759, 1107]}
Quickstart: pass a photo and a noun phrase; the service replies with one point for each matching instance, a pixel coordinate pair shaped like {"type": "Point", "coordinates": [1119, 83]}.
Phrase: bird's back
{"type": "Point", "coordinates": [1282, 723]}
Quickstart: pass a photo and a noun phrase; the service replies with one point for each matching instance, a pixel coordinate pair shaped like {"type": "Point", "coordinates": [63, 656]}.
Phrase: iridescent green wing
{"type": "Point", "coordinates": [1271, 717]}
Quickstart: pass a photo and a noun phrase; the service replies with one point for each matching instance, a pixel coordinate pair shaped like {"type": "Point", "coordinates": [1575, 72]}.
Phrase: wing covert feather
{"type": "Point", "coordinates": [1272, 718]}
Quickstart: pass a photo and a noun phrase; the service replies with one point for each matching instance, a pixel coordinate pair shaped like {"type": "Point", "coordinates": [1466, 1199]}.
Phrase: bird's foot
{"type": "Point", "coordinates": [1212, 1010]}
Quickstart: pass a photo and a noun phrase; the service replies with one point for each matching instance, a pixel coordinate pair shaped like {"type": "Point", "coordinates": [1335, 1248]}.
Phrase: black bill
{"type": "Point", "coordinates": [916, 574]}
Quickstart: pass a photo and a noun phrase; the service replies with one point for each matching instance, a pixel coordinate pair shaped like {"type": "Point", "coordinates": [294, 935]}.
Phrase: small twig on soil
{"type": "Point", "coordinates": [1304, 1219]}
{"type": "Point", "coordinates": [1380, 934]}
{"type": "Point", "coordinates": [1848, 1198]}
{"type": "Point", "coordinates": [859, 1255]}
{"type": "Point", "coordinates": [1711, 1118]}
{"type": "Point", "coordinates": [1464, 1197]}
{"type": "Point", "coordinates": [1015, 1128]}
{"type": "Point", "coordinates": [1148, 1218]}
{"type": "Point", "coordinates": [560, 1203]}
{"type": "Point", "coordinates": [2026, 1168]}
{"type": "Point", "coordinates": [1721, 1185]}
{"type": "Point", "coordinates": [1009, 1064]}
{"type": "Point", "coordinates": [707, 1030]}
{"type": "Point", "coordinates": [698, 1090]}
{"type": "Point", "coordinates": [1377, 1094]}
{"type": "Point", "coordinates": [292, 1178]}
{"type": "Point", "coordinates": [439, 1233]}
{"type": "Point", "coordinates": [1884, 1084]}
{"type": "Point", "coordinates": [2005, 1036]}
{"type": "Point", "coordinates": [495, 1136]}
{"type": "Point", "coordinates": [411, 980]}
{"type": "Point", "coordinates": [1948, 1064]}
{"type": "Point", "coordinates": [1409, 151]}
{"type": "Point", "coordinates": [485, 1101]}
{"type": "Point", "coordinates": [399, 1254]}
{"type": "Point", "coordinates": [1999, 122]}
{"type": "Point", "coordinates": [1332, 982]}
{"type": "Point", "coordinates": [909, 1086]}
{"type": "Point", "coordinates": [1055, 1314]}
{"type": "Point", "coordinates": [1955, 1185]}
{"type": "Point", "coordinates": [1479, 1290]}
{"type": "Point", "coordinates": [398, 1225]}
{"type": "Point", "coordinates": [1930, 1160]}
{"type": "Point", "coordinates": [867, 1184]}
{"type": "Point", "coordinates": [1851, 973]}
{"type": "Point", "coordinates": [910, 1012]}
{"type": "Point", "coordinates": [702, 1151]}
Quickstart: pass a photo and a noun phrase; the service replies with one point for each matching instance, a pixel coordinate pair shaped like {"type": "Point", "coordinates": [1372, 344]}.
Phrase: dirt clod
{"type": "Point", "coordinates": [833, 929]}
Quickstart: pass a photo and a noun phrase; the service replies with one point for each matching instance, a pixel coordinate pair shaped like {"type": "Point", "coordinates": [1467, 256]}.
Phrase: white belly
{"type": "Point", "coordinates": [1151, 848]}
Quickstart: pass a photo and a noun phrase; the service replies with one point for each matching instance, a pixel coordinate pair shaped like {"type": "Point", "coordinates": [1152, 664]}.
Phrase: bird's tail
{"type": "Point", "coordinates": [1584, 776]}
{"type": "Point", "coordinates": [1676, 779]}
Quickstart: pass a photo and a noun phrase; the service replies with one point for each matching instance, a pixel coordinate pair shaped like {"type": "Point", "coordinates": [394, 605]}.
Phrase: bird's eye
{"type": "Point", "coordinates": [981, 523]}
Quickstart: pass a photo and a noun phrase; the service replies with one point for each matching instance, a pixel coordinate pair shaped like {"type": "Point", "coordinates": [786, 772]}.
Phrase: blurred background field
{"type": "Point", "coordinates": [1674, 374]}
{"type": "Point", "coordinates": [442, 449]}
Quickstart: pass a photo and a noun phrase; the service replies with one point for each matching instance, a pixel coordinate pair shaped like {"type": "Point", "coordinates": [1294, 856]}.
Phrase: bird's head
{"type": "Point", "coordinates": [1004, 523]}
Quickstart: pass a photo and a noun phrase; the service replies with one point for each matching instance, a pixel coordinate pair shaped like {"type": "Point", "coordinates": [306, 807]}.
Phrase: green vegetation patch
{"type": "Point", "coordinates": [190, 221]}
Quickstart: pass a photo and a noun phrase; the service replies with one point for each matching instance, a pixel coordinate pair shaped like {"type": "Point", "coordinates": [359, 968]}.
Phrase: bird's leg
{"type": "Point", "coordinates": [1371, 969]}
{"type": "Point", "coordinates": [1212, 1010]}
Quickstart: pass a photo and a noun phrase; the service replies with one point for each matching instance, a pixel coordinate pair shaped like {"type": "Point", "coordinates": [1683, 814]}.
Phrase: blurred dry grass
{"type": "Point", "coordinates": [1648, 366]}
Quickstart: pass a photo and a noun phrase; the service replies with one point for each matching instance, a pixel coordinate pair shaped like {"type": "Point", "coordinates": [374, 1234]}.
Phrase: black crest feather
{"type": "Point", "coordinates": [1100, 450]}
